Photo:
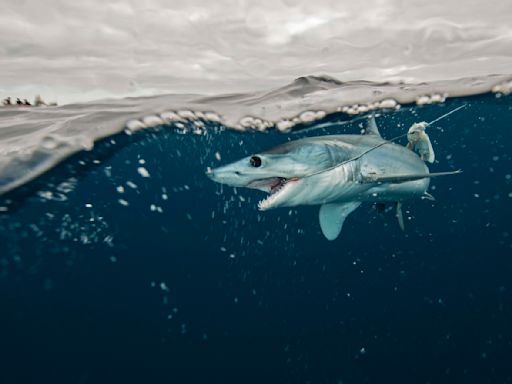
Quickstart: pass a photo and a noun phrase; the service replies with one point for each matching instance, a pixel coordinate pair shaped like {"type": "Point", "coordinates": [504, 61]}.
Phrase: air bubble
{"type": "Point", "coordinates": [143, 172]}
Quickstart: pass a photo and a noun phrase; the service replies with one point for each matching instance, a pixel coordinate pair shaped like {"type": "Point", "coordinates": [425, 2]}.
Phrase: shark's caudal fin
{"type": "Point", "coordinates": [371, 127]}
{"type": "Point", "coordinates": [396, 179]}
{"type": "Point", "coordinates": [332, 217]}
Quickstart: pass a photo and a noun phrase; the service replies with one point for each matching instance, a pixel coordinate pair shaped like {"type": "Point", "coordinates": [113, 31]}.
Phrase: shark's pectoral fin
{"type": "Point", "coordinates": [332, 217]}
{"type": "Point", "coordinates": [396, 179]}
{"type": "Point", "coordinates": [399, 215]}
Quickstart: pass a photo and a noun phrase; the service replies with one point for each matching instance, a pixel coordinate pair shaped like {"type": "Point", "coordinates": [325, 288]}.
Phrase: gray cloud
{"type": "Point", "coordinates": [74, 51]}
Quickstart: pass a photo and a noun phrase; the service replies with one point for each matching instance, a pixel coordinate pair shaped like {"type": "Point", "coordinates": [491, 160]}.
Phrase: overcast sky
{"type": "Point", "coordinates": [90, 49]}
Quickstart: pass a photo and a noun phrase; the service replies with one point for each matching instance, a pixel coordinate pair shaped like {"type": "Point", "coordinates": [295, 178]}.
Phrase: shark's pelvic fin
{"type": "Point", "coordinates": [332, 216]}
{"type": "Point", "coordinates": [428, 196]}
{"type": "Point", "coordinates": [371, 127]}
{"type": "Point", "coordinates": [399, 215]}
{"type": "Point", "coordinates": [374, 178]}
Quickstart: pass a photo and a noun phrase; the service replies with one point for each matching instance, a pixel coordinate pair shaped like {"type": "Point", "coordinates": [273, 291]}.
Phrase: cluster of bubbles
{"type": "Point", "coordinates": [308, 117]}
{"type": "Point", "coordinates": [185, 121]}
{"type": "Point", "coordinates": [431, 99]}
{"type": "Point", "coordinates": [504, 88]}
{"type": "Point", "coordinates": [196, 122]}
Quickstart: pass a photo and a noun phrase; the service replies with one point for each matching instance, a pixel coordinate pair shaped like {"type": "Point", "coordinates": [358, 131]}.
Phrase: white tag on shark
{"type": "Point", "coordinates": [332, 216]}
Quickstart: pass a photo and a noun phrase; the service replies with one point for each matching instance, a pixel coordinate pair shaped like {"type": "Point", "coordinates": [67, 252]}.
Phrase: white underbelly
{"type": "Point", "coordinates": [397, 192]}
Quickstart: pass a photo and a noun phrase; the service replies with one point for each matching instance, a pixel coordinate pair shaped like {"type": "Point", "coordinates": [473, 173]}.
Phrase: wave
{"type": "Point", "coordinates": [33, 140]}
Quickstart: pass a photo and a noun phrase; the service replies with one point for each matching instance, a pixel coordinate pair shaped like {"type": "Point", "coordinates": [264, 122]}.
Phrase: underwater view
{"type": "Point", "coordinates": [339, 221]}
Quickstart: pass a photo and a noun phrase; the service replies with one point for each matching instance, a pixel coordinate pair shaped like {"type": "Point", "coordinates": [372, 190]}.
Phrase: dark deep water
{"type": "Point", "coordinates": [211, 290]}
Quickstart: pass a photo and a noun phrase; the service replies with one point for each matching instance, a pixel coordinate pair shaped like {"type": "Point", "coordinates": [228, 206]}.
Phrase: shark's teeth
{"type": "Point", "coordinates": [263, 204]}
{"type": "Point", "coordinates": [275, 192]}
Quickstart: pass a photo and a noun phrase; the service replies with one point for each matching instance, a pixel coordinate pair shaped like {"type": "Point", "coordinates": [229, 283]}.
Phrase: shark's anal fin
{"type": "Point", "coordinates": [399, 215]}
{"type": "Point", "coordinates": [332, 216]}
{"type": "Point", "coordinates": [396, 179]}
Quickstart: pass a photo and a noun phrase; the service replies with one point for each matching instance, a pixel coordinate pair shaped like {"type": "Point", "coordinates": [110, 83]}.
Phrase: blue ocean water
{"type": "Point", "coordinates": [110, 276]}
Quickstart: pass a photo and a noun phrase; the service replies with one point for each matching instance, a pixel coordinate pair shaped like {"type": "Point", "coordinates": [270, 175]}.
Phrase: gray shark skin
{"type": "Point", "coordinates": [337, 172]}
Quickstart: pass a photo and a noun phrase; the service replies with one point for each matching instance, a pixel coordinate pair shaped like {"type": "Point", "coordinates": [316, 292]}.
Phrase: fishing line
{"type": "Point", "coordinates": [445, 115]}
{"type": "Point", "coordinates": [390, 141]}
{"type": "Point", "coordinates": [328, 124]}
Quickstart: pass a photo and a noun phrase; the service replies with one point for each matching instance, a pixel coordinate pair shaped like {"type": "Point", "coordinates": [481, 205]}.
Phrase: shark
{"type": "Point", "coordinates": [336, 172]}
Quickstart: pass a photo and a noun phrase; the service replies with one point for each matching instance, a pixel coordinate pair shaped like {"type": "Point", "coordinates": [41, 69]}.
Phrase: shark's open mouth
{"type": "Point", "coordinates": [275, 187]}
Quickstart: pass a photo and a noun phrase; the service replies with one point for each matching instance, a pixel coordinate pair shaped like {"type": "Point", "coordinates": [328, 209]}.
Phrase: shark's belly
{"type": "Point", "coordinates": [396, 192]}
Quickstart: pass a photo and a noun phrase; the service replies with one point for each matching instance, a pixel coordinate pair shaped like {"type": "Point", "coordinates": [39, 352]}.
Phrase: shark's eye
{"type": "Point", "coordinates": [255, 161]}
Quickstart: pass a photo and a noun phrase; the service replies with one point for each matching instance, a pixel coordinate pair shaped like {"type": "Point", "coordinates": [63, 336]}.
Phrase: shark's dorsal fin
{"type": "Point", "coordinates": [371, 127]}
{"type": "Point", "coordinates": [404, 178]}
{"type": "Point", "coordinates": [332, 216]}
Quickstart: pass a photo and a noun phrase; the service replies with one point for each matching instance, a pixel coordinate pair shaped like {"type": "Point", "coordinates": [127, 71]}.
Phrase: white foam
{"type": "Point", "coordinates": [169, 117]}
{"type": "Point", "coordinates": [431, 99]}
{"type": "Point", "coordinates": [212, 116]}
{"type": "Point", "coordinates": [388, 104]}
{"type": "Point", "coordinates": [152, 121]}
{"type": "Point", "coordinates": [134, 125]}
{"type": "Point", "coordinates": [187, 115]}
{"type": "Point", "coordinates": [504, 88]}
{"type": "Point", "coordinates": [308, 116]}
{"type": "Point", "coordinates": [284, 125]}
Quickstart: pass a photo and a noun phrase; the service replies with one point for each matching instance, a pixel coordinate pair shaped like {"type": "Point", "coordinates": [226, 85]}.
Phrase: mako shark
{"type": "Point", "coordinates": [337, 172]}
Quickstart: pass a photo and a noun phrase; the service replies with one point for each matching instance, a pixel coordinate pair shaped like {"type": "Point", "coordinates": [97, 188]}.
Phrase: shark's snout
{"type": "Point", "coordinates": [225, 175]}
{"type": "Point", "coordinates": [214, 175]}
